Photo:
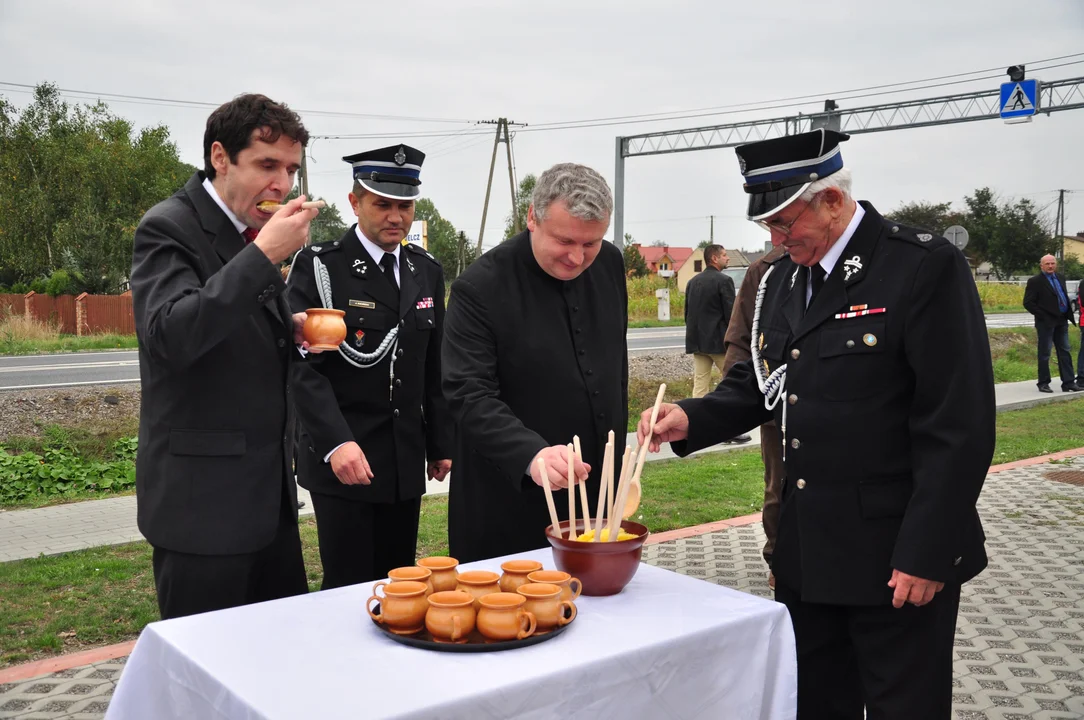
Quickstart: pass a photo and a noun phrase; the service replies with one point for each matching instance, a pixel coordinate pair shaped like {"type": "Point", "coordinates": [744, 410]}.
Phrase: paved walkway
{"type": "Point", "coordinates": [1019, 639]}
{"type": "Point", "coordinates": [63, 528]}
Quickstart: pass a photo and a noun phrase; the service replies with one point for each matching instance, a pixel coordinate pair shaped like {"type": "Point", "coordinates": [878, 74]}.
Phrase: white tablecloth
{"type": "Point", "coordinates": [669, 646]}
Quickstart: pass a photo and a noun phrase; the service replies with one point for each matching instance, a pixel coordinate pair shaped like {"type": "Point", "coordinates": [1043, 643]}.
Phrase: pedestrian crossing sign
{"type": "Point", "coordinates": [1019, 100]}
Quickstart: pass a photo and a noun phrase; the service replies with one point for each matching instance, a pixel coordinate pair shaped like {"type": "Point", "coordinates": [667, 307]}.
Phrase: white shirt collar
{"type": "Point", "coordinates": [210, 188]}
{"type": "Point", "coordinates": [828, 262]}
{"type": "Point", "coordinates": [375, 251]}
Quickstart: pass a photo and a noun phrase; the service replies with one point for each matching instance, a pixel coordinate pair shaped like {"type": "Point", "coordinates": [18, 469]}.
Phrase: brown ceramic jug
{"type": "Point", "coordinates": [561, 579]}
{"type": "Point", "coordinates": [450, 617]}
{"type": "Point", "coordinates": [544, 600]}
{"type": "Point", "coordinates": [502, 617]}
{"type": "Point", "coordinates": [515, 573]}
{"type": "Point", "coordinates": [444, 576]}
{"type": "Point", "coordinates": [402, 607]}
{"type": "Point", "coordinates": [324, 328]}
{"type": "Point", "coordinates": [478, 583]}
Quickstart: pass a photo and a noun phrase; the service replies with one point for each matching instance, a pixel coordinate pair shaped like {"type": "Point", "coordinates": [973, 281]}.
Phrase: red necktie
{"type": "Point", "coordinates": [250, 234]}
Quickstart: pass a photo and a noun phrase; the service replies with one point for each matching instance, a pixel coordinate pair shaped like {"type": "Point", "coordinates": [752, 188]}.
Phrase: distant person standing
{"type": "Point", "coordinates": [709, 301]}
{"type": "Point", "coordinates": [1047, 298]}
{"type": "Point", "coordinates": [1080, 355]}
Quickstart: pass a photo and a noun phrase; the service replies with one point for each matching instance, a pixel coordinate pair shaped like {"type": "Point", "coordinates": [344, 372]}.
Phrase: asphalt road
{"type": "Point", "coordinates": [122, 366]}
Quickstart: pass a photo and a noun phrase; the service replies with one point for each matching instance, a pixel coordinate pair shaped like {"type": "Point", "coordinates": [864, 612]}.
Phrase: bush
{"type": "Point", "coordinates": [997, 296]}
{"type": "Point", "coordinates": [58, 471]}
{"type": "Point", "coordinates": [60, 283]}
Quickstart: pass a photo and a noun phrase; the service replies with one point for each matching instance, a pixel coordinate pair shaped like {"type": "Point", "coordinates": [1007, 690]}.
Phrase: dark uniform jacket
{"type": "Point", "coordinates": [709, 300]}
{"type": "Point", "coordinates": [216, 425]}
{"type": "Point", "coordinates": [1041, 300]}
{"type": "Point", "coordinates": [529, 362]}
{"type": "Point", "coordinates": [889, 426]}
{"type": "Point", "coordinates": [397, 423]}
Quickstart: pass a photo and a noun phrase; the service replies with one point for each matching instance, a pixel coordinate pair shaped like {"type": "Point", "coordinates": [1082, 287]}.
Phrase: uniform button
{"type": "Point", "coordinates": [795, 354]}
{"type": "Point", "coordinates": [602, 416]}
{"type": "Point", "coordinates": [395, 413]}
{"type": "Point", "coordinates": [579, 330]}
{"type": "Point", "coordinates": [590, 372]}
{"type": "Point", "coordinates": [850, 343]}
{"type": "Point", "coordinates": [596, 393]}
{"type": "Point", "coordinates": [575, 308]}
{"type": "Point", "coordinates": [361, 321]}
{"type": "Point", "coordinates": [398, 382]}
{"type": "Point", "coordinates": [282, 343]}
{"type": "Point", "coordinates": [583, 352]}
{"type": "Point", "coordinates": [792, 399]}
{"type": "Point", "coordinates": [795, 443]}
{"type": "Point", "coordinates": [800, 483]}
{"type": "Point", "coordinates": [399, 352]}
{"type": "Point", "coordinates": [430, 321]}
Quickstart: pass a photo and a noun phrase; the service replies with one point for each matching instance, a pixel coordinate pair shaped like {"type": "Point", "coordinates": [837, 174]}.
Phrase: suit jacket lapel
{"type": "Point", "coordinates": [850, 269]}
{"type": "Point", "coordinates": [368, 272]}
{"type": "Point", "coordinates": [409, 289]}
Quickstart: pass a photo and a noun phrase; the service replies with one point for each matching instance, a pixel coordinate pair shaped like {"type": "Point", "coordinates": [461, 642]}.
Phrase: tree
{"type": "Point", "coordinates": [523, 202]}
{"type": "Point", "coordinates": [444, 240]}
{"type": "Point", "coordinates": [934, 217]}
{"type": "Point", "coordinates": [704, 244]}
{"type": "Point", "coordinates": [634, 261]}
{"type": "Point", "coordinates": [74, 184]}
{"type": "Point", "coordinates": [328, 225]}
{"type": "Point", "coordinates": [1020, 237]}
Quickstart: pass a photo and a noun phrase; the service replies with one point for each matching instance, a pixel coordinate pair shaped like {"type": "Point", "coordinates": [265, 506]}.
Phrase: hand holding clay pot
{"type": "Point", "coordinates": [324, 328]}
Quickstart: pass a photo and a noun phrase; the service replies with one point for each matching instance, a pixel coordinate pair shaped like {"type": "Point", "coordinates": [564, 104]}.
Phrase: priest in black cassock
{"type": "Point", "coordinates": [534, 353]}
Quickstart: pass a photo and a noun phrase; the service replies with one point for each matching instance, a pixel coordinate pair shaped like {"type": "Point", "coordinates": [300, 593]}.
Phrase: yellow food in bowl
{"type": "Point", "coordinates": [589, 536]}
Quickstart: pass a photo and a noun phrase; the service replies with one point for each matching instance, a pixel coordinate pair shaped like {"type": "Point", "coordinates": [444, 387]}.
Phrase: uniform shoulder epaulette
{"type": "Point", "coordinates": [916, 236]}
{"type": "Point", "coordinates": [324, 247]}
{"type": "Point", "coordinates": [419, 250]}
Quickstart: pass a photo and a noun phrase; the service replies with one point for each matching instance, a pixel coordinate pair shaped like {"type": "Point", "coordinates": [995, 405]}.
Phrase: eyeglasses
{"type": "Point", "coordinates": [783, 228]}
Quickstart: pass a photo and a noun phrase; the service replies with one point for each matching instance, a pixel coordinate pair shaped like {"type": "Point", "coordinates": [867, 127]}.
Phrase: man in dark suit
{"type": "Point", "coordinates": [1047, 298]}
{"type": "Point", "coordinates": [214, 487]}
{"type": "Point", "coordinates": [372, 412]}
{"type": "Point", "coordinates": [535, 353]}
{"type": "Point", "coordinates": [869, 348]}
{"type": "Point", "coordinates": [709, 301]}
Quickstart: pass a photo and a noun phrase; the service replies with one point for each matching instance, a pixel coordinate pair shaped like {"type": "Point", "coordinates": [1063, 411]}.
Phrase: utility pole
{"type": "Point", "coordinates": [502, 129]}
{"type": "Point", "coordinates": [1059, 224]}
{"type": "Point", "coordinates": [712, 229]}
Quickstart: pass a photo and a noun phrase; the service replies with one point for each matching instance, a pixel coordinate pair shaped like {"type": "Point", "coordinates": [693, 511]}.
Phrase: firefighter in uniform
{"type": "Point", "coordinates": [373, 411]}
{"type": "Point", "coordinates": [869, 350]}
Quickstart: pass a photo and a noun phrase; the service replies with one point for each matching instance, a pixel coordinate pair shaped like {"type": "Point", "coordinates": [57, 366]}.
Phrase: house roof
{"type": "Point", "coordinates": [652, 255]}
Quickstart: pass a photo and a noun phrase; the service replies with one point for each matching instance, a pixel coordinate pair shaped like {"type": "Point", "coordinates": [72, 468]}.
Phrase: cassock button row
{"type": "Point", "coordinates": [575, 308]}
{"type": "Point", "coordinates": [590, 372]}
{"type": "Point", "coordinates": [850, 343]}
{"type": "Point", "coordinates": [579, 330]}
{"type": "Point", "coordinates": [795, 443]}
{"type": "Point", "coordinates": [583, 352]}
{"type": "Point", "coordinates": [595, 393]}
{"type": "Point", "coordinates": [792, 399]}
{"type": "Point", "coordinates": [395, 413]}
{"type": "Point", "coordinates": [795, 354]}
{"type": "Point", "coordinates": [398, 382]}
{"type": "Point", "coordinates": [800, 483]}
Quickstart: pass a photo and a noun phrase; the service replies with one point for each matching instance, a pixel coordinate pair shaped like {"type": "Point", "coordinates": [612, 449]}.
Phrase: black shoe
{"type": "Point", "coordinates": [300, 504]}
{"type": "Point", "coordinates": [738, 440]}
{"type": "Point", "coordinates": [1045, 388]}
{"type": "Point", "coordinates": [1072, 388]}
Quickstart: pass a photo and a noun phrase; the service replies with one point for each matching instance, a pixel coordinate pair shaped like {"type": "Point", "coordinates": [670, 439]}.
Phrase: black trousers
{"type": "Point", "coordinates": [361, 541]}
{"type": "Point", "coordinates": [1054, 335]}
{"type": "Point", "coordinates": [188, 584]}
{"type": "Point", "coordinates": [894, 663]}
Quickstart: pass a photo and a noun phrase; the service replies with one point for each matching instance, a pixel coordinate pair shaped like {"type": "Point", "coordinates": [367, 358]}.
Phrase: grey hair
{"type": "Point", "coordinates": [841, 180]}
{"type": "Point", "coordinates": [583, 190]}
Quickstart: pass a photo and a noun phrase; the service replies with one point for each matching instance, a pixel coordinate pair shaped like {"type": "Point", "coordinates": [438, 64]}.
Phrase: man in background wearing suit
{"type": "Point", "coordinates": [1047, 298]}
{"type": "Point", "coordinates": [214, 486]}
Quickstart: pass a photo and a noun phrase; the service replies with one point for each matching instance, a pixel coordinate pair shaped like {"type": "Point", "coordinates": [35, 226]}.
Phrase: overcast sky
{"type": "Point", "coordinates": [558, 61]}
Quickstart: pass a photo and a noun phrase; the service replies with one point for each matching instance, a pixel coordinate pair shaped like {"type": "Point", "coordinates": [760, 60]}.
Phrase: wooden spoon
{"type": "Point", "coordinates": [549, 497]}
{"type": "Point", "coordinates": [632, 502]}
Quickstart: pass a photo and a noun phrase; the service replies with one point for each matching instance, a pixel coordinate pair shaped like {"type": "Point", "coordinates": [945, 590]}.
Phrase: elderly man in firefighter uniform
{"type": "Point", "coordinates": [372, 412]}
{"type": "Point", "coordinates": [870, 352]}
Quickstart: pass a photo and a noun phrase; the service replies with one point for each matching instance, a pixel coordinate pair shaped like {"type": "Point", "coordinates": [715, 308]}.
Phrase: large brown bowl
{"type": "Point", "coordinates": [604, 568]}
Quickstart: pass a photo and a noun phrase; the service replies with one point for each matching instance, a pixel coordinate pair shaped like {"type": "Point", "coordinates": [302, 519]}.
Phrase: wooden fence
{"type": "Point", "coordinates": [82, 315]}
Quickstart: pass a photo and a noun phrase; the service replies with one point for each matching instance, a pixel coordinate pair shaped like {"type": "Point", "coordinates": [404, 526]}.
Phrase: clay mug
{"type": "Point", "coordinates": [544, 600]}
{"type": "Point", "coordinates": [443, 576]}
{"type": "Point", "coordinates": [402, 607]}
{"type": "Point", "coordinates": [451, 616]}
{"type": "Point", "coordinates": [503, 617]}
{"type": "Point", "coordinates": [415, 573]}
{"type": "Point", "coordinates": [478, 583]}
{"type": "Point", "coordinates": [515, 573]}
{"type": "Point", "coordinates": [324, 328]}
{"type": "Point", "coordinates": [561, 579]}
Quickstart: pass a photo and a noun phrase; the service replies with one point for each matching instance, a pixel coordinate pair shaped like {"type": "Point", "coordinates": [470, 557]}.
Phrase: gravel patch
{"type": "Point", "coordinates": [26, 412]}
{"type": "Point", "coordinates": [661, 366]}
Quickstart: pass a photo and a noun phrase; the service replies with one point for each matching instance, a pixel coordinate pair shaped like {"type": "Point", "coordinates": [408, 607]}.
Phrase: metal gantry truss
{"type": "Point", "coordinates": [1054, 96]}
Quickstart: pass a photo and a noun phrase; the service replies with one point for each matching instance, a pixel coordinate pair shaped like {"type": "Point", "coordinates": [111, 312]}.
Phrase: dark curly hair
{"type": "Point", "coordinates": [232, 125]}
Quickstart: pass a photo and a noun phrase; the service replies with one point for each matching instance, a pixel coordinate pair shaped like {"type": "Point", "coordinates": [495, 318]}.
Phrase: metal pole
{"type": "Point", "coordinates": [489, 185]}
{"type": "Point", "coordinates": [619, 196]}
{"type": "Point", "coordinates": [511, 179]}
{"type": "Point", "coordinates": [712, 229]}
